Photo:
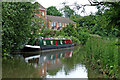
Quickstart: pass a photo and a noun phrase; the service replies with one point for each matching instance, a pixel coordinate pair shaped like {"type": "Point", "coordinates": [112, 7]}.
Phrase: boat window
{"type": "Point", "coordinates": [61, 42]}
{"type": "Point", "coordinates": [44, 42]}
{"type": "Point", "coordinates": [51, 42]}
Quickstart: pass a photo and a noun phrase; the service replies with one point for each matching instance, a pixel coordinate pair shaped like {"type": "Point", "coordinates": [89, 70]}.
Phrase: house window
{"type": "Point", "coordinates": [75, 25]}
{"type": "Point", "coordinates": [51, 23]}
{"type": "Point", "coordinates": [60, 24]}
{"type": "Point", "coordinates": [43, 14]}
{"type": "Point", "coordinates": [63, 25]}
{"type": "Point", "coordinates": [54, 23]}
{"type": "Point", "coordinates": [57, 24]}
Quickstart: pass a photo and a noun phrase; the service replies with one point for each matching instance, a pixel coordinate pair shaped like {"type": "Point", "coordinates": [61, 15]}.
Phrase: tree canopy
{"type": "Point", "coordinates": [67, 11]}
{"type": "Point", "coordinates": [17, 25]}
{"type": "Point", "coordinates": [52, 10]}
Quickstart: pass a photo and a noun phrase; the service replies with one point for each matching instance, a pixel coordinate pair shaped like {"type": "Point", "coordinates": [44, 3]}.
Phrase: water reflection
{"type": "Point", "coordinates": [50, 65]}
{"type": "Point", "coordinates": [78, 72]}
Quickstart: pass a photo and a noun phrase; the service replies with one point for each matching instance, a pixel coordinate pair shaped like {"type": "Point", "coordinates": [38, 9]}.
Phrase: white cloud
{"type": "Point", "coordinates": [58, 4]}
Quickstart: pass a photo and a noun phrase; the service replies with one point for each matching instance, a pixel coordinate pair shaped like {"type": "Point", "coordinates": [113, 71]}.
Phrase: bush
{"type": "Point", "coordinates": [83, 36]}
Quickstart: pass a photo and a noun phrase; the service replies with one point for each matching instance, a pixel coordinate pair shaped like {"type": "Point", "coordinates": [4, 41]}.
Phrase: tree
{"type": "Point", "coordinates": [17, 25]}
{"type": "Point", "coordinates": [108, 17]}
{"type": "Point", "coordinates": [52, 10]}
{"type": "Point", "coordinates": [67, 11]}
{"type": "Point", "coordinates": [75, 17]}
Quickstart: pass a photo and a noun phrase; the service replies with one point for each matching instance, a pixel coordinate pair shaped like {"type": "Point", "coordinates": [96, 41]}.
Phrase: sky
{"type": "Point", "coordinates": [58, 4]}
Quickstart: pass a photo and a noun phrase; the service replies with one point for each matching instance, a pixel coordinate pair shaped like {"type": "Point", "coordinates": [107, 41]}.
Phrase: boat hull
{"type": "Point", "coordinates": [56, 46]}
{"type": "Point", "coordinates": [48, 47]}
{"type": "Point", "coordinates": [31, 48]}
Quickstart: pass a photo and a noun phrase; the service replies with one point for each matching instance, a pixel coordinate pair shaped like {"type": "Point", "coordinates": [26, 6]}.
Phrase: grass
{"type": "Point", "coordinates": [102, 53]}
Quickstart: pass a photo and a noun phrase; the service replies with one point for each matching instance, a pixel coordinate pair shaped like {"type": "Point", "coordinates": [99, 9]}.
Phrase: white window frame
{"type": "Point", "coordinates": [57, 24]}
{"type": "Point", "coordinates": [51, 23]}
{"type": "Point", "coordinates": [43, 14]}
{"type": "Point", "coordinates": [60, 24]}
{"type": "Point", "coordinates": [75, 25]}
{"type": "Point", "coordinates": [54, 23]}
{"type": "Point", "coordinates": [63, 25]}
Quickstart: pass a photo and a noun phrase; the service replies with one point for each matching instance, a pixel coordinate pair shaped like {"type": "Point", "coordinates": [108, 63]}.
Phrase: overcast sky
{"type": "Point", "coordinates": [58, 4]}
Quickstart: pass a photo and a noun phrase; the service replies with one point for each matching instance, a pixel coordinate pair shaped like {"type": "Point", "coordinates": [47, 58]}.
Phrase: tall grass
{"type": "Point", "coordinates": [102, 53]}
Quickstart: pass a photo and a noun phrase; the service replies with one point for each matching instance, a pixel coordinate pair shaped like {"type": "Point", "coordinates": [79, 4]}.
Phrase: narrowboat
{"type": "Point", "coordinates": [48, 43]}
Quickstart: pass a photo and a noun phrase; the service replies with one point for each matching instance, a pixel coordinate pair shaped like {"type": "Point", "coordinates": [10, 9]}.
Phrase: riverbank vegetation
{"type": "Point", "coordinates": [102, 54]}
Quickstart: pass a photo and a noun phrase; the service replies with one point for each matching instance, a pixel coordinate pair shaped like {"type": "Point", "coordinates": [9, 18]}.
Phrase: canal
{"type": "Point", "coordinates": [62, 63]}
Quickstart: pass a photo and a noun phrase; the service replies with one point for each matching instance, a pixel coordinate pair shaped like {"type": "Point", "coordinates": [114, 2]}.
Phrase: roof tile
{"type": "Point", "coordinates": [59, 19]}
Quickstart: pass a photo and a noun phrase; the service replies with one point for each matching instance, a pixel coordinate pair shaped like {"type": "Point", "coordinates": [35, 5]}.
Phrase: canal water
{"type": "Point", "coordinates": [62, 63]}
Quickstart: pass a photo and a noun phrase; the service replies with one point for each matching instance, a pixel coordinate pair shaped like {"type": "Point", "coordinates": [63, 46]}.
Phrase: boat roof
{"type": "Point", "coordinates": [50, 38]}
{"type": "Point", "coordinates": [56, 39]}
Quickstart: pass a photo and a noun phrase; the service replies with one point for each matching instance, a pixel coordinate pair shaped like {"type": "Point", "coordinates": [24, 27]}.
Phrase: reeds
{"type": "Point", "coordinates": [102, 53]}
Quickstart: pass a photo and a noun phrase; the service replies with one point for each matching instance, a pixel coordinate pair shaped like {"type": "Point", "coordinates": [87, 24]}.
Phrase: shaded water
{"type": "Point", "coordinates": [64, 63]}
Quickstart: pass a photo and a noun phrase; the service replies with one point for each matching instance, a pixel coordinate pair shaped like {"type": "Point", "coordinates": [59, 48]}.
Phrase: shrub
{"type": "Point", "coordinates": [83, 36]}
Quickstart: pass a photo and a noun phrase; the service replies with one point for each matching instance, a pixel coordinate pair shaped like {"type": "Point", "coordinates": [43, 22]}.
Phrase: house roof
{"type": "Point", "coordinates": [59, 19]}
{"type": "Point", "coordinates": [41, 7]}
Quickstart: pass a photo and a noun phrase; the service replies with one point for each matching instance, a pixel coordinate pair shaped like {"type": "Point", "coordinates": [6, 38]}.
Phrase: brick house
{"type": "Point", "coordinates": [57, 23]}
{"type": "Point", "coordinates": [42, 14]}
{"type": "Point", "coordinates": [53, 22]}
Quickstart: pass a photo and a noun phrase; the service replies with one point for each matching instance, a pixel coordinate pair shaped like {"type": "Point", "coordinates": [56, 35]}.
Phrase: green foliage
{"type": "Point", "coordinates": [83, 36]}
{"type": "Point", "coordinates": [52, 10]}
{"type": "Point", "coordinates": [47, 32]}
{"type": "Point", "coordinates": [102, 54]}
{"type": "Point", "coordinates": [87, 21]}
{"type": "Point", "coordinates": [75, 40]}
{"type": "Point", "coordinates": [75, 17]}
{"type": "Point", "coordinates": [16, 24]}
{"type": "Point", "coordinates": [113, 12]}
{"type": "Point", "coordinates": [70, 30]}
{"type": "Point", "coordinates": [79, 36]}
{"type": "Point", "coordinates": [107, 18]}
{"type": "Point", "coordinates": [67, 11]}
